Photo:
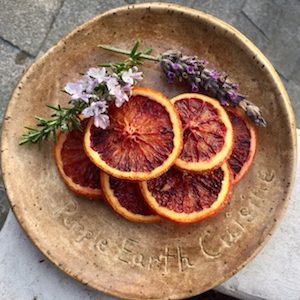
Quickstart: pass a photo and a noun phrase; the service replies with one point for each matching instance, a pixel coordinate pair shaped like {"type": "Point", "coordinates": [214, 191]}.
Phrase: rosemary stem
{"type": "Point", "coordinates": [104, 65]}
{"type": "Point", "coordinates": [122, 51]}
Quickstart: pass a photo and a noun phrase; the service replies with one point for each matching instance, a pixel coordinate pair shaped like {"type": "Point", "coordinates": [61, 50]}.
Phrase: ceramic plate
{"type": "Point", "coordinates": [86, 239]}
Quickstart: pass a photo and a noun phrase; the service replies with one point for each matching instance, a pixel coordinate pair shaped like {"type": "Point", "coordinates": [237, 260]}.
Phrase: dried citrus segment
{"type": "Point", "coordinates": [244, 147]}
{"type": "Point", "coordinates": [127, 200]}
{"type": "Point", "coordinates": [76, 169]}
{"type": "Point", "coordinates": [207, 132]}
{"type": "Point", "coordinates": [143, 140]}
{"type": "Point", "coordinates": [188, 197]}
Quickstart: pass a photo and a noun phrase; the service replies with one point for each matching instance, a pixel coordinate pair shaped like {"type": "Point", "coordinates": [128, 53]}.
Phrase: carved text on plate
{"type": "Point", "coordinates": [172, 258]}
{"type": "Point", "coordinates": [214, 245]}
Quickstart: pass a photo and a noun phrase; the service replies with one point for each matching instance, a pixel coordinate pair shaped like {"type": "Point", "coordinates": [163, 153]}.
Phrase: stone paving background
{"type": "Point", "coordinates": [29, 27]}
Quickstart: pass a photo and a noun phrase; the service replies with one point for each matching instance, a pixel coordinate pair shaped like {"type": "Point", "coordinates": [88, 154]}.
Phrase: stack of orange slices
{"type": "Point", "coordinates": [177, 159]}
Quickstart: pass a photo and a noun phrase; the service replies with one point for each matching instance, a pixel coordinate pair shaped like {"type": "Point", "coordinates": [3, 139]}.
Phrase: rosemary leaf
{"type": "Point", "coordinates": [62, 119]}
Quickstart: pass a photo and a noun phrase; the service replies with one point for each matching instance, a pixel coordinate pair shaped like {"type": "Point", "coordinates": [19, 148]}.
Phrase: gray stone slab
{"type": "Point", "coordinates": [12, 64]}
{"type": "Point", "coordinates": [280, 22]}
{"type": "Point", "coordinates": [293, 89]}
{"type": "Point", "coordinates": [25, 23]}
{"type": "Point", "coordinates": [25, 274]}
{"type": "Point", "coordinates": [226, 10]}
{"type": "Point", "coordinates": [231, 11]}
{"type": "Point", "coordinates": [74, 13]}
{"type": "Point", "coordinates": [4, 207]}
{"type": "Point", "coordinates": [295, 75]}
{"type": "Point", "coordinates": [264, 14]}
{"type": "Point", "coordinates": [284, 54]}
{"type": "Point", "coordinates": [245, 25]}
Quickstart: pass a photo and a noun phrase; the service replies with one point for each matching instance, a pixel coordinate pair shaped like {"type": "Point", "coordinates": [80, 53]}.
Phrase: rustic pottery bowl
{"type": "Point", "coordinates": [86, 239]}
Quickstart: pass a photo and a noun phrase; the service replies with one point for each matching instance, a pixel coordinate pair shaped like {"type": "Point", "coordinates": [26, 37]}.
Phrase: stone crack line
{"type": "Point", "coordinates": [16, 47]}
{"type": "Point", "coordinates": [254, 24]}
{"type": "Point", "coordinates": [51, 25]}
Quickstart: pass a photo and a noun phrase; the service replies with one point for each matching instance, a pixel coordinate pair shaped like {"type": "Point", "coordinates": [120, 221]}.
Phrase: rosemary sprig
{"type": "Point", "coordinates": [135, 57]}
{"type": "Point", "coordinates": [91, 97]}
{"type": "Point", "coordinates": [62, 119]}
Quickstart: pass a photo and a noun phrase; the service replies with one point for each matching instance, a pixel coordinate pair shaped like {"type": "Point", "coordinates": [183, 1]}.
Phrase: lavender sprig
{"type": "Point", "coordinates": [194, 72]}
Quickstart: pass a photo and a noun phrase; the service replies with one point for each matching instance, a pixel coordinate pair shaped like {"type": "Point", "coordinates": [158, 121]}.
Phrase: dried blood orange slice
{"type": "Point", "coordinates": [189, 197]}
{"type": "Point", "coordinates": [244, 147]}
{"type": "Point", "coordinates": [127, 200]}
{"type": "Point", "coordinates": [76, 169]}
{"type": "Point", "coordinates": [207, 132]}
{"type": "Point", "coordinates": [143, 140]}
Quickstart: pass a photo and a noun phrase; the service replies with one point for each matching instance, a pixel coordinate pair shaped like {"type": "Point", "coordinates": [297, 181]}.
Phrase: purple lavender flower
{"type": "Point", "coordinates": [232, 95]}
{"type": "Point", "coordinates": [171, 76]}
{"type": "Point", "coordinates": [223, 101]}
{"type": "Point", "coordinates": [195, 88]}
{"type": "Point", "coordinates": [203, 62]}
{"type": "Point", "coordinates": [215, 75]}
{"type": "Point", "coordinates": [235, 86]}
{"type": "Point", "coordinates": [175, 66]}
{"type": "Point", "coordinates": [190, 70]}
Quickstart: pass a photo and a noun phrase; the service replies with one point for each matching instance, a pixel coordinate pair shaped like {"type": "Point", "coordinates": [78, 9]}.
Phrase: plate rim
{"type": "Point", "coordinates": [246, 44]}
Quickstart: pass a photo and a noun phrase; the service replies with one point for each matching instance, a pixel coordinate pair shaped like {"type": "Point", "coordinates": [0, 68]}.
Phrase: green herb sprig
{"type": "Point", "coordinates": [67, 118]}
{"type": "Point", "coordinates": [63, 118]}
{"type": "Point", "coordinates": [135, 57]}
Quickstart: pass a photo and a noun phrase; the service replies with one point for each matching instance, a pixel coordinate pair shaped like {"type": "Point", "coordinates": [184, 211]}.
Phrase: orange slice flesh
{"type": "Point", "coordinates": [185, 197]}
{"type": "Point", "coordinates": [244, 147]}
{"type": "Point", "coordinates": [127, 200]}
{"type": "Point", "coordinates": [143, 140]}
{"type": "Point", "coordinates": [207, 132]}
{"type": "Point", "coordinates": [76, 169]}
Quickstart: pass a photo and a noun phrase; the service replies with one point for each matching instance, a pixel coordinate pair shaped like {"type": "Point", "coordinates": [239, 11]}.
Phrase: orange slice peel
{"type": "Point", "coordinates": [127, 200]}
{"type": "Point", "coordinates": [143, 140]}
{"type": "Point", "coordinates": [78, 172]}
{"type": "Point", "coordinates": [184, 197]}
{"type": "Point", "coordinates": [245, 143]}
{"type": "Point", "coordinates": [207, 132]}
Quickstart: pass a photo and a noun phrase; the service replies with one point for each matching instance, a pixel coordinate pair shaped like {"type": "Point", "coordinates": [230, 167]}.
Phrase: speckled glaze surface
{"type": "Point", "coordinates": [152, 261]}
